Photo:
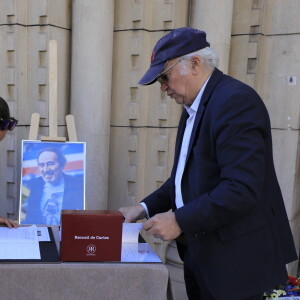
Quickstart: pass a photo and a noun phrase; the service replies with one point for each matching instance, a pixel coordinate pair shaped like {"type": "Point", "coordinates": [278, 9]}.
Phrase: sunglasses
{"type": "Point", "coordinates": [162, 77]}
{"type": "Point", "coordinates": [8, 124]}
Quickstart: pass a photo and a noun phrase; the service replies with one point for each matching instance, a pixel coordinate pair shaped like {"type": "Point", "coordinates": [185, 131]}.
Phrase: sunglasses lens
{"type": "Point", "coordinates": [12, 124]}
{"type": "Point", "coordinates": [8, 124]}
{"type": "Point", "coordinates": [162, 79]}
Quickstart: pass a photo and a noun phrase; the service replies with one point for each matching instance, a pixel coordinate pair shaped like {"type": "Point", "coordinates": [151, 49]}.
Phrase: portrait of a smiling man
{"type": "Point", "coordinates": [51, 181]}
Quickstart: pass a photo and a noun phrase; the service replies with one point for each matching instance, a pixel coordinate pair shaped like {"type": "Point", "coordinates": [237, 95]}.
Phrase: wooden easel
{"type": "Point", "coordinates": [35, 118]}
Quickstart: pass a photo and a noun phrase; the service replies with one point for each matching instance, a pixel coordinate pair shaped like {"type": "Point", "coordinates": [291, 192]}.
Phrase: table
{"type": "Point", "coordinates": [84, 281]}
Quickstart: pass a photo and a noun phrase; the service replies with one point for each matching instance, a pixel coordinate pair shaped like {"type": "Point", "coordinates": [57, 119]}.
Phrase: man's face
{"type": "Point", "coordinates": [176, 83]}
{"type": "Point", "coordinates": [49, 167]}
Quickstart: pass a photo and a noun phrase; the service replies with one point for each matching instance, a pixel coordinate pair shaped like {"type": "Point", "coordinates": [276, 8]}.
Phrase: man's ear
{"type": "Point", "coordinates": [196, 64]}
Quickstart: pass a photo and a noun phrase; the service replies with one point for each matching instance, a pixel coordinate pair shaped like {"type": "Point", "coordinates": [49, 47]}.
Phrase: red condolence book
{"type": "Point", "coordinates": [91, 235]}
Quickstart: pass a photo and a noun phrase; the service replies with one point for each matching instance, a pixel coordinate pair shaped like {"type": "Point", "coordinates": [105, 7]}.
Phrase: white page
{"type": "Point", "coordinates": [141, 252]}
{"type": "Point", "coordinates": [132, 250]}
{"type": "Point", "coordinates": [19, 243]}
{"type": "Point", "coordinates": [131, 232]}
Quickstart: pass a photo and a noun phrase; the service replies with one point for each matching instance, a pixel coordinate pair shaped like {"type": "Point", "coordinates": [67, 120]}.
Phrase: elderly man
{"type": "Point", "coordinates": [227, 211]}
{"type": "Point", "coordinates": [53, 190]}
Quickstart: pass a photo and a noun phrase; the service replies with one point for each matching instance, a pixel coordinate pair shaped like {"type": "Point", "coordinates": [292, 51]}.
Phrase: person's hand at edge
{"type": "Point", "coordinates": [9, 223]}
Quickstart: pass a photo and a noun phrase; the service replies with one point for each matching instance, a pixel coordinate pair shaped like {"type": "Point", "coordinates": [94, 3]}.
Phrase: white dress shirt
{"type": "Point", "coordinates": [192, 111]}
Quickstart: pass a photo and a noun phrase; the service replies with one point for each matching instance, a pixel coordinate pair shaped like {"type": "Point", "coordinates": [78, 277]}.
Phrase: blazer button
{"type": "Point", "coordinates": [202, 233]}
{"type": "Point", "coordinates": [198, 234]}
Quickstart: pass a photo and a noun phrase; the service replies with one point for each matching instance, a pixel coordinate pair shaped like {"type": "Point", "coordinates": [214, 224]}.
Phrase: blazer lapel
{"type": "Point", "coordinates": [180, 133]}
{"type": "Point", "coordinates": [214, 79]}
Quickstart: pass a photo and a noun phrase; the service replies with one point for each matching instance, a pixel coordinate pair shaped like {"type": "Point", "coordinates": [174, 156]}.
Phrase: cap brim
{"type": "Point", "coordinates": [152, 74]}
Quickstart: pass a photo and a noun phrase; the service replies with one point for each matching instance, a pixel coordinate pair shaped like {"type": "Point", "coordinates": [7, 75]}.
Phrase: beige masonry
{"type": "Point", "coordinates": [104, 47]}
{"type": "Point", "coordinates": [92, 42]}
{"type": "Point", "coordinates": [206, 15]}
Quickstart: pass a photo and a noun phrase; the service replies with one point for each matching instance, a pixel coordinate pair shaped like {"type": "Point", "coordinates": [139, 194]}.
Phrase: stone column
{"type": "Point", "coordinates": [215, 18]}
{"type": "Point", "coordinates": [92, 50]}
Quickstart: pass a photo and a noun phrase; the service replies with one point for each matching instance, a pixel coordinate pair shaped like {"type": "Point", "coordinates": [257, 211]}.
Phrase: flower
{"type": "Point", "coordinates": [292, 288]}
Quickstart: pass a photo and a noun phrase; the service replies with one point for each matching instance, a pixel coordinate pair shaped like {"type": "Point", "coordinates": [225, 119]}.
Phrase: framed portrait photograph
{"type": "Point", "coordinates": [52, 179]}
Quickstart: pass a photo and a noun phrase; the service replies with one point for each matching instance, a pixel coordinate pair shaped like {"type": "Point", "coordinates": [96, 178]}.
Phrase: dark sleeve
{"type": "Point", "coordinates": [160, 200]}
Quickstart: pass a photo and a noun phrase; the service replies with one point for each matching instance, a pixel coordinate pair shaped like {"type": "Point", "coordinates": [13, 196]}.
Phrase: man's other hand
{"type": "Point", "coordinates": [163, 226]}
{"type": "Point", "coordinates": [132, 214]}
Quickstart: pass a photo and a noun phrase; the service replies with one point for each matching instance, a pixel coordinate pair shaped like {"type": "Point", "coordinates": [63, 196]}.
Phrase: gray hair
{"type": "Point", "coordinates": [208, 55]}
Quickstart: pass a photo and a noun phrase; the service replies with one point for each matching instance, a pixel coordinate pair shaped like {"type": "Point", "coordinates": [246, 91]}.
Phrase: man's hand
{"type": "Point", "coordinates": [163, 226]}
{"type": "Point", "coordinates": [133, 213]}
{"type": "Point", "coordinates": [9, 223]}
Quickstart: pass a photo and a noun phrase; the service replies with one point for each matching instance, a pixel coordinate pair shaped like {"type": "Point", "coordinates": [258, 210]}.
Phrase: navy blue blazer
{"type": "Point", "coordinates": [233, 209]}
